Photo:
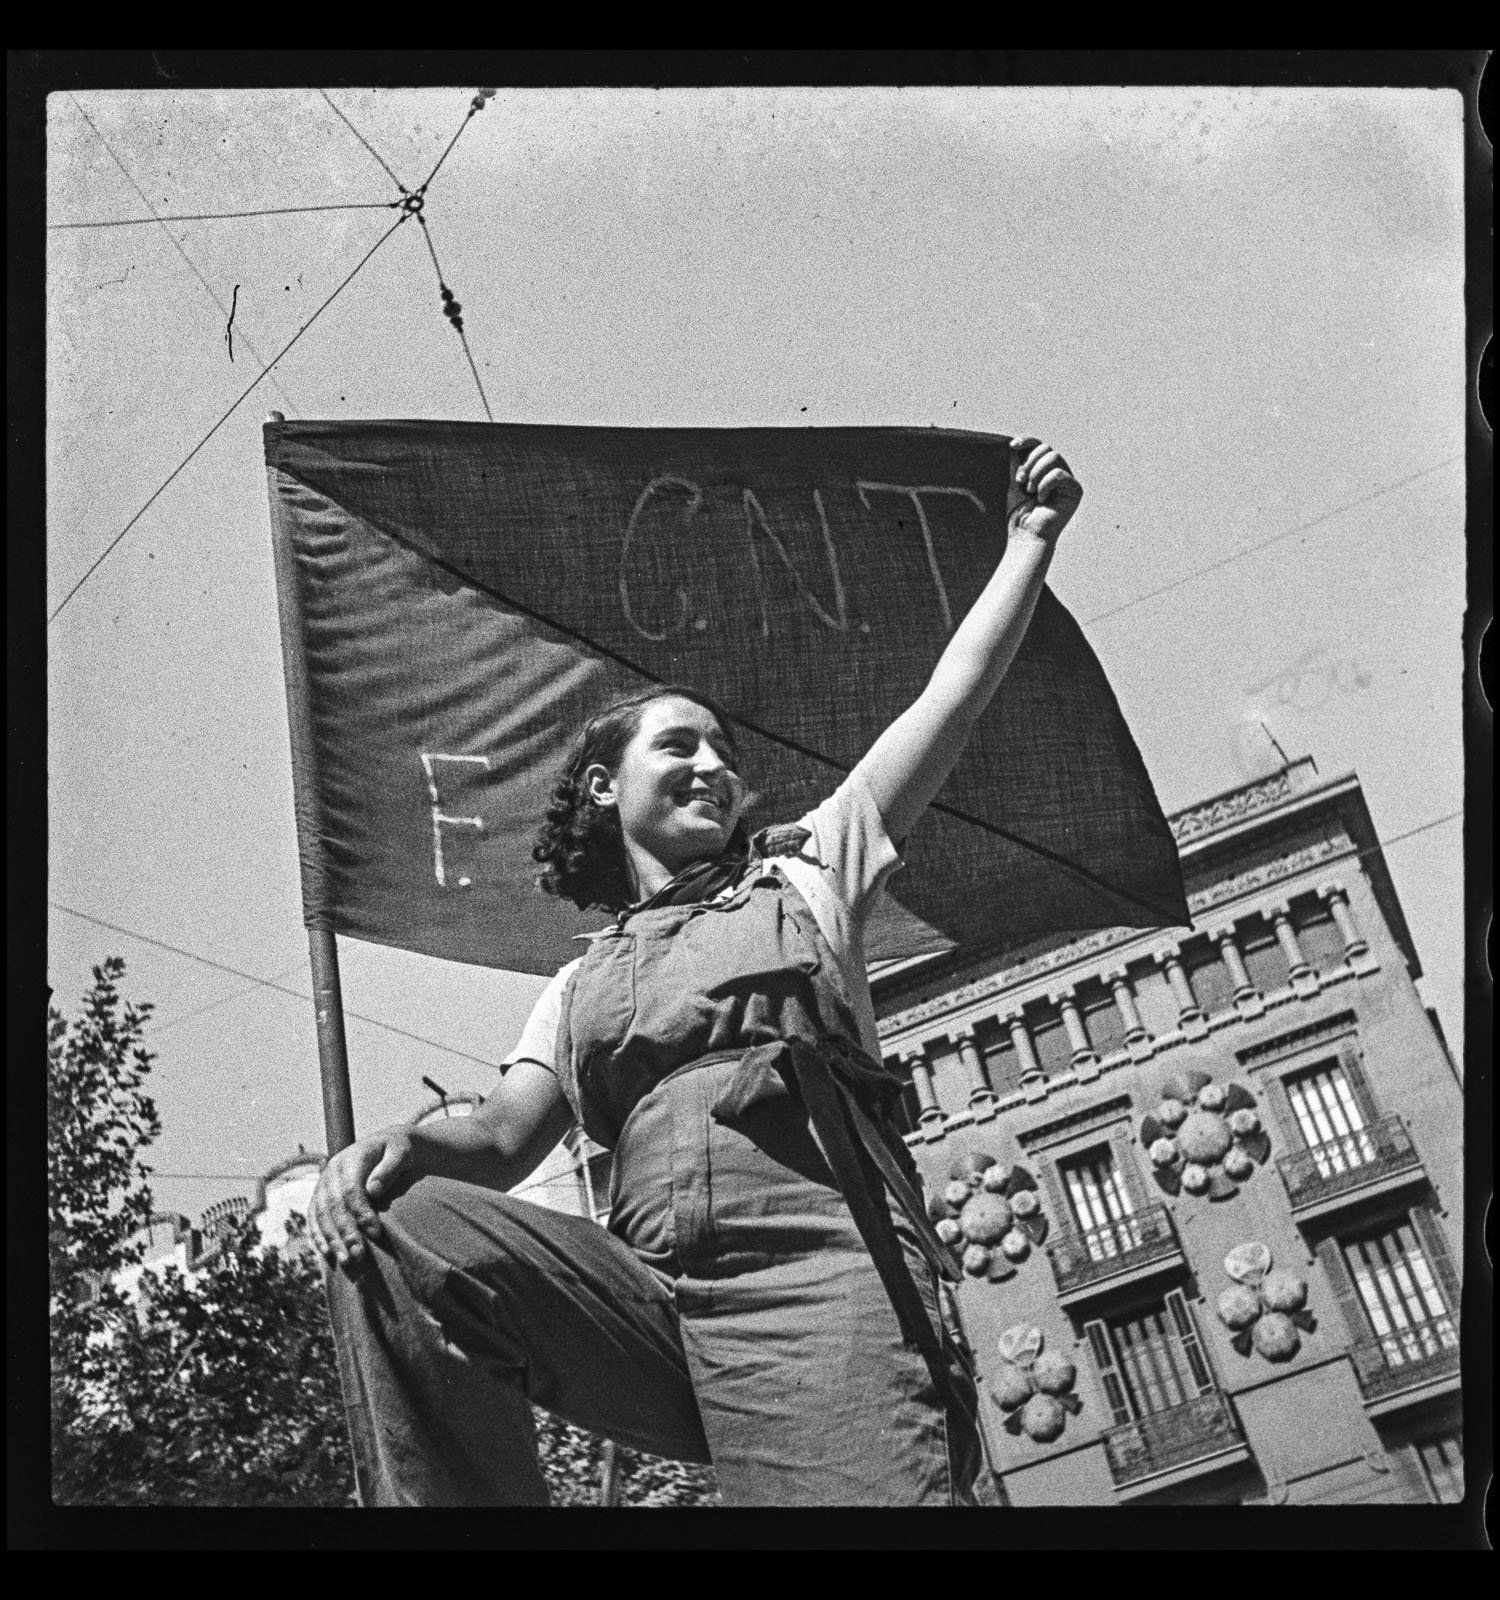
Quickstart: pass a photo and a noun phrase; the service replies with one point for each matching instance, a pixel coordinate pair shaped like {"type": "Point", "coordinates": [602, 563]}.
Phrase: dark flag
{"type": "Point", "coordinates": [457, 598]}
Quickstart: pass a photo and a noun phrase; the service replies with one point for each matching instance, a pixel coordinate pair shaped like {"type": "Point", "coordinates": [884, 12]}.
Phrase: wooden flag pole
{"type": "Point", "coordinates": [322, 945]}
{"type": "Point", "coordinates": [333, 1048]}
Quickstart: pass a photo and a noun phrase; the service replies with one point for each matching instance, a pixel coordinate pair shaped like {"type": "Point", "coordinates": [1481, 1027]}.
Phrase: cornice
{"type": "Point", "coordinates": [1235, 886]}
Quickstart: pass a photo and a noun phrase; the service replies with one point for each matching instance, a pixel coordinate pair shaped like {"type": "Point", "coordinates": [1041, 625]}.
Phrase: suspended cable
{"type": "Point", "coordinates": [569, 1176]}
{"type": "Point", "coordinates": [1421, 827]}
{"type": "Point", "coordinates": [1265, 544]}
{"type": "Point", "coordinates": [365, 142]}
{"type": "Point", "coordinates": [212, 216]}
{"type": "Point", "coordinates": [208, 288]}
{"type": "Point", "coordinates": [267, 983]}
{"type": "Point", "coordinates": [453, 311]}
{"type": "Point", "coordinates": [476, 105]}
{"type": "Point", "coordinates": [244, 395]}
{"type": "Point", "coordinates": [158, 1028]}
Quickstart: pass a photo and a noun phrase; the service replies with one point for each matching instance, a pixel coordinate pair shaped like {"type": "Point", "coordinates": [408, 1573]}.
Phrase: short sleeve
{"type": "Point", "coordinates": [538, 1041]}
{"type": "Point", "coordinates": [849, 841]}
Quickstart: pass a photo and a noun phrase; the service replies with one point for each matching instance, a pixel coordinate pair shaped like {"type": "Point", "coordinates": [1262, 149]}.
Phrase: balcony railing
{"type": "Point", "coordinates": [1407, 1358]}
{"type": "Point", "coordinates": [1200, 1429]}
{"type": "Point", "coordinates": [1340, 1166]}
{"type": "Point", "coordinates": [1081, 1258]}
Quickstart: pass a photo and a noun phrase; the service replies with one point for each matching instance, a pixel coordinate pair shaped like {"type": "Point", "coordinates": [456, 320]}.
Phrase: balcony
{"type": "Point", "coordinates": [1407, 1366]}
{"type": "Point", "coordinates": [1327, 1177]}
{"type": "Point", "coordinates": [1158, 1451]}
{"type": "Point", "coordinates": [1088, 1263]}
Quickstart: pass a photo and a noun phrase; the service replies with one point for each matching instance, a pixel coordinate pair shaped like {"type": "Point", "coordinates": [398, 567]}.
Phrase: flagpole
{"type": "Point", "coordinates": [333, 1048]}
{"type": "Point", "coordinates": [322, 943]}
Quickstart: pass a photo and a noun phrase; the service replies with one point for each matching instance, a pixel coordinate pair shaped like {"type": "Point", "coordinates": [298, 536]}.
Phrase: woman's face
{"type": "Point", "coordinates": [678, 794]}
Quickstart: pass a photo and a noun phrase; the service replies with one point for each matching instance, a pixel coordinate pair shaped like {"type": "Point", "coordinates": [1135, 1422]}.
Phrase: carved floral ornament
{"type": "Point", "coordinates": [1203, 1136]}
{"type": "Point", "coordinates": [990, 1217]}
{"type": "Point", "coordinates": [1230, 808]}
{"type": "Point", "coordinates": [1262, 1309]}
{"type": "Point", "coordinates": [1034, 1387]}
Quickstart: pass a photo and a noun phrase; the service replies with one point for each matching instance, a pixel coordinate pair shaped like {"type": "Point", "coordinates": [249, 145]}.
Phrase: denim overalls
{"type": "Point", "coordinates": [765, 1296]}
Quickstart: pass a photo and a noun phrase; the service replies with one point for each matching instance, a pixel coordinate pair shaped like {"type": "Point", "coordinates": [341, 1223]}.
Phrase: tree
{"type": "Point", "coordinates": [217, 1386]}
{"type": "Point", "coordinates": [222, 1388]}
{"type": "Point", "coordinates": [99, 1120]}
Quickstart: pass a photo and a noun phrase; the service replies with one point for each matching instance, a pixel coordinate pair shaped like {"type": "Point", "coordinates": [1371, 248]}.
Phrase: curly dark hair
{"type": "Point", "coordinates": [579, 844]}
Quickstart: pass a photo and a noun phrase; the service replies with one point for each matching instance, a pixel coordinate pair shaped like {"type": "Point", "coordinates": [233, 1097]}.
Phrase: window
{"type": "Point", "coordinates": [1101, 1203]}
{"type": "Point", "coordinates": [1399, 1294]}
{"type": "Point", "coordinates": [1442, 1463]}
{"type": "Point", "coordinates": [999, 1056]}
{"type": "Point", "coordinates": [1330, 1118]}
{"type": "Point", "coordinates": [1212, 986]}
{"type": "Point", "coordinates": [1149, 1359]}
{"type": "Point", "coordinates": [1265, 960]}
{"type": "Point", "coordinates": [946, 1066]}
{"type": "Point", "coordinates": [1050, 1040]}
{"type": "Point", "coordinates": [1317, 933]}
{"type": "Point", "coordinates": [1102, 1021]}
{"type": "Point", "coordinates": [1153, 998]}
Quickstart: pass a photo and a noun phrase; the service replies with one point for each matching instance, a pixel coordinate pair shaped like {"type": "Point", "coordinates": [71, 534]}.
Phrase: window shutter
{"type": "Point", "coordinates": [1331, 1258]}
{"type": "Point", "coordinates": [1282, 1114]}
{"type": "Point", "coordinates": [1104, 1360]}
{"type": "Point", "coordinates": [1053, 1186]}
{"type": "Point", "coordinates": [1359, 1085]}
{"type": "Point", "coordinates": [1122, 1147]}
{"type": "Point", "coordinates": [1187, 1337]}
{"type": "Point", "coordinates": [1434, 1242]}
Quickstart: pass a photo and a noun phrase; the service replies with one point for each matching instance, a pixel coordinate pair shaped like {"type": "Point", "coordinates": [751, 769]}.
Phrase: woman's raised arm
{"type": "Point", "coordinates": [907, 764]}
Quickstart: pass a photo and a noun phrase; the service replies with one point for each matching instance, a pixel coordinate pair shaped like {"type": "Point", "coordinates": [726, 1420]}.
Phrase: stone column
{"type": "Point", "coordinates": [929, 1112]}
{"type": "Point", "coordinates": [1190, 1018]}
{"type": "Point", "coordinates": [1355, 948]}
{"type": "Point", "coordinates": [1304, 979]}
{"type": "Point", "coordinates": [1247, 998]}
{"type": "Point", "coordinates": [981, 1096]}
{"type": "Point", "coordinates": [1137, 1039]}
{"type": "Point", "coordinates": [1085, 1057]}
{"type": "Point", "coordinates": [1033, 1084]}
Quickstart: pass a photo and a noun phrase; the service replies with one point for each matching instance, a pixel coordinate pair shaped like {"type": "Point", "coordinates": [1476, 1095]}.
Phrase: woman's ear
{"type": "Point", "coordinates": [599, 784]}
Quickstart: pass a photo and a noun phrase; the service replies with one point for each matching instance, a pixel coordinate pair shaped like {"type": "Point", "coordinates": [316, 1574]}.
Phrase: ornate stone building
{"type": "Point", "coordinates": [1206, 1183]}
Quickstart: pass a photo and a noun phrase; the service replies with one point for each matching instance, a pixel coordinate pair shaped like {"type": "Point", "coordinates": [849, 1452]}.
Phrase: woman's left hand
{"type": "Point", "coordinates": [1046, 492]}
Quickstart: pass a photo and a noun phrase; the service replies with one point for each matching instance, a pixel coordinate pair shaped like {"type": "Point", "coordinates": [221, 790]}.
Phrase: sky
{"type": "Point", "coordinates": [1238, 312]}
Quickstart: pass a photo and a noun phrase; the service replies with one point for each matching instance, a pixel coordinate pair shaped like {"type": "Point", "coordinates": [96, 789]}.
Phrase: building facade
{"type": "Point", "coordinates": [1206, 1184]}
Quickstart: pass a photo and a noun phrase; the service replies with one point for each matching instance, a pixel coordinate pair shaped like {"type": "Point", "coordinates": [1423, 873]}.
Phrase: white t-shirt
{"type": "Point", "coordinates": [839, 872]}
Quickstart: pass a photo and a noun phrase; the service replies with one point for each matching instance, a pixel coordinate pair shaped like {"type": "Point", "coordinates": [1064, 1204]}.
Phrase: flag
{"type": "Point", "coordinates": [457, 598]}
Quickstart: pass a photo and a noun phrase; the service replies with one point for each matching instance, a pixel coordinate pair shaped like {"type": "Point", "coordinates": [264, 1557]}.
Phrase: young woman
{"type": "Point", "coordinates": [766, 1295]}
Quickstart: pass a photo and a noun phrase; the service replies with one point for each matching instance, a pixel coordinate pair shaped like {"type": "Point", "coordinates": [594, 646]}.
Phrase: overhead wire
{"type": "Point", "coordinates": [453, 311]}
{"type": "Point", "coordinates": [1265, 544]}
{"type": "Point", "coordinates": [177, 244]}
{"type": "Point", "coordinates": [450, 305]}
{"type": "Point", "coordinates": [365, 142]}
{"type": "Point", "coordinates": [243, 396]}
{"type": "Point", "coordinates": [223, 1000]}
{"type": "Point", "coordinates": [569, 1177]}
{"type": "Point", "coordinates": [1396, 838]}
{"type": "Point", "coordinates": [476, 105]}
{"type": "Point", "coordinates": [273, 983]}
{"type": "Point", "coordinates": [267, 983]}
{"type": "Point", "coordinates": [215, 216]}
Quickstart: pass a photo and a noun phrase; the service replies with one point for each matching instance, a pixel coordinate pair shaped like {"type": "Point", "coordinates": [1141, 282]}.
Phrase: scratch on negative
{"type": "Point", "coordinates": [229, 327]}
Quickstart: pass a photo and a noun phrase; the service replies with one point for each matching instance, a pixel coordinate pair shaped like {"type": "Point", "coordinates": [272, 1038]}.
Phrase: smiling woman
{"type": "Point", "coordinates": [648, 787]}
{"type": "Point", "coordinates": [768, 1292]}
